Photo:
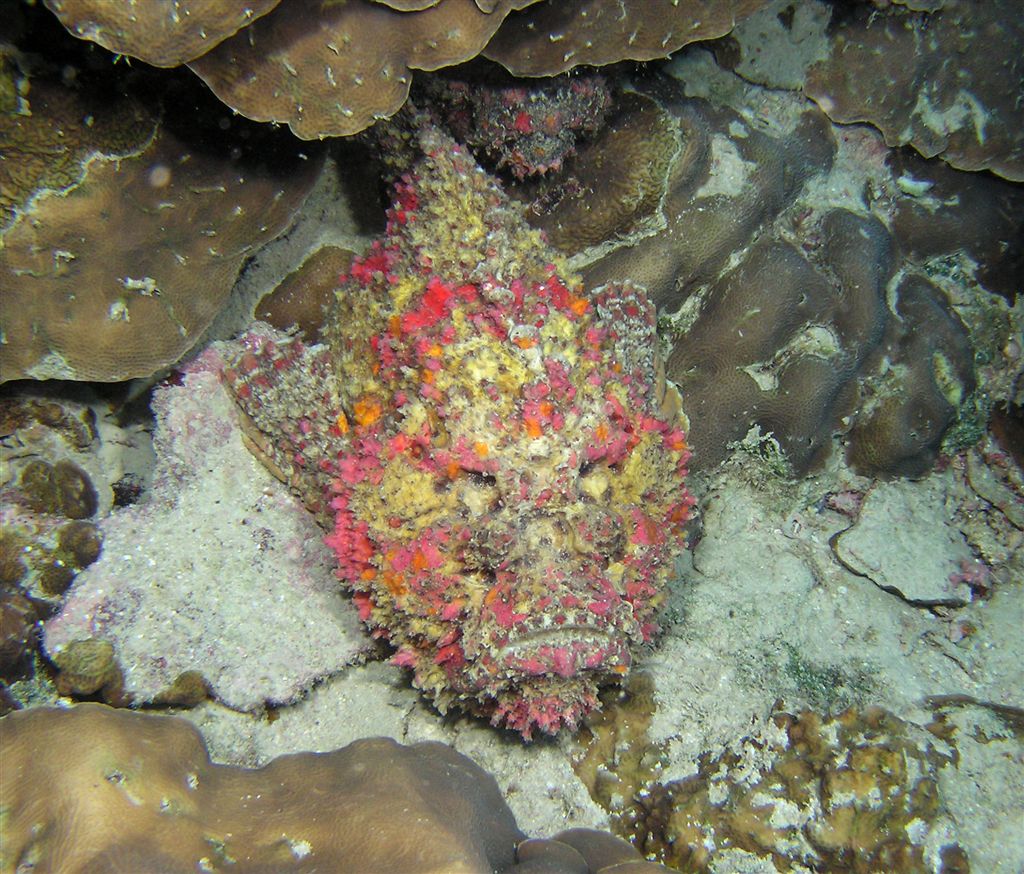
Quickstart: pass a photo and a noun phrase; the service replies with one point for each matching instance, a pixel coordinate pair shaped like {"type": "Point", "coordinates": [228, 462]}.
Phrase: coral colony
{"type": "Point", "coordinates": [494, 451]}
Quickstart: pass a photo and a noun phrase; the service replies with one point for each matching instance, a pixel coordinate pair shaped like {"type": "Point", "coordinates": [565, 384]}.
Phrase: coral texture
{"type": "Point", "coordinates": [121, 244]}
{"type": "Point", "coordinates": [332, 69]}
{"type": "Point", "coordinates": [298, 302]}
{"type": "Point", "coordinates": [548, 38]}
{"type": "Point", "coordinates": [978, 214]}
{"type": "Point", "coordinates": [947, 83]}
{"type": "Point", "coordinates": [858, 791]}
{"type": "Point", "coordinates": [729, 178]}
{"type": "Point", "coordinates": [782, 343]}
{"type": "Point", "coordinates": [493, 449]}
{"type": "Point", "coordinates": [163, 33]}
{"type": "Point", "coordinates": [216, 582]}
{"type": "Point", "coordinates": [143, 790]}
{"type": "Point", "coordinates": [613, 185]}
{"type": "Point", "coordinates": [46, 533]}
{"type": "Point", "coordinates": [799, 301]}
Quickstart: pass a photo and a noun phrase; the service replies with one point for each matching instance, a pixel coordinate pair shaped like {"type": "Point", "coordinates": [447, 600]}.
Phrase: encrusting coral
{"type": "Point", "coordinates": [494, 450]}
{"type": "Point", "coordinates": [93, 789]}
{"type": "Point", "coordinates": [857, 791]}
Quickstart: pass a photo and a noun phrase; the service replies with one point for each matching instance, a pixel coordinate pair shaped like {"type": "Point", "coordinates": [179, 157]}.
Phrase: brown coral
{"type": "Point", "coordinates": [124, 236]}
{"type": "Point", "coordinates": [552, 37]}
{"type": "Point", "coordinates": [859, 791]}
{"type": "Point", "coordinates": [975, 213]}
{"type": "Point", "coordinates": [299, 301]}
{"type": "Point", "coordinates": [333, 69]}
{"type": "Point", "coordinates": [777, 344]}
{"type": "Point", "coordinates": [614, 186]}
{"type": "Point", "coordinates": [779, 307]}
{"type": "Point", "coordinates": [900, 432]}
{"type": "Point", "coordinates": [703, 225]}
{"type": "Point", "coordinates": [164, 33]}
{"type": "Point", "coordinates": [946, 83]}
{"type": "Point", "coordinates": [146, 794]}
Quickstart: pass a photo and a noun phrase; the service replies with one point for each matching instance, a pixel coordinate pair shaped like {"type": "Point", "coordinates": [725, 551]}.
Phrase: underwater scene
{"type": "Point", "coordinates": [449, 436]}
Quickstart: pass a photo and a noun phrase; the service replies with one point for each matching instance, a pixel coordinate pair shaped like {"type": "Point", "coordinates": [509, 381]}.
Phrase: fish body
{"type": "Point", "coordinates": [493, 450]}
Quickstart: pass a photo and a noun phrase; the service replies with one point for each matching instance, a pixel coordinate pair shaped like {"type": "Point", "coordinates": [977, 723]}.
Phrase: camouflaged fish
{"type": "Point", "coordinates": [494, 451]}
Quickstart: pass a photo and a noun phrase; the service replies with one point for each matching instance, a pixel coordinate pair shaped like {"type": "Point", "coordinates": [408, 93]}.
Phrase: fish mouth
{"type": "Point", "coordinates": [565, 651]}
{"type": "Point", "coordinates": [561, 635]}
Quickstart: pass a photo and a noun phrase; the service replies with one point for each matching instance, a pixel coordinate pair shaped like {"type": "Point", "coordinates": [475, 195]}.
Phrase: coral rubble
{"type": "Point", "coordinates": [143, 790]}
{"type": "Point", "coordinates": [494, 450]}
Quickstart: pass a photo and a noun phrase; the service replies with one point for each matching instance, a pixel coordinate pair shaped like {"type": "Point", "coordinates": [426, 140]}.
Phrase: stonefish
{"type": "Point", "coordinates": [494, 451]}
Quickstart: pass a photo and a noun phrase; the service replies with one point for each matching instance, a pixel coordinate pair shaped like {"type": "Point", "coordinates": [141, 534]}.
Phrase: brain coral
{"type": "Point", "coordinates": [779, 344]}
{"type": "Point", "coordinates": [143, 790]}
{"type": "Point", "coordinates": [494, 450]}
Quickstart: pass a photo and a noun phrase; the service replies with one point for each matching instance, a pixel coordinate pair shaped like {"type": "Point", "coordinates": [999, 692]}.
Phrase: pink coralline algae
{"type": "Point", "coordinates": [495, 453]}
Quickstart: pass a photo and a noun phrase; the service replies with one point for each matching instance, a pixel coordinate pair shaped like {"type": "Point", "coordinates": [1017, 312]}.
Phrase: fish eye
{"type": "Point", "coordinates": [482, 478]}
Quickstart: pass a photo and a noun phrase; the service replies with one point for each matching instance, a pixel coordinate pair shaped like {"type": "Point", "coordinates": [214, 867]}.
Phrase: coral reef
{"type": "Point", "coordinates": [975, 214]}
{"type": "Point", "coordinates": [144, 790]}
{"type": "Point", "coordinates": [614, 185]}
{"type": "Point", "coordinates": [47, 533]}
{"type": "Point", "coordinates": [899, 430]}
{"type": "Point", "coordinates": [163, 33]}
{"type": "Point", "coordinates": [783, 344]}
{"type": "Point", "coordinates": [548, 38]}
{"type": "Point", "coordinates": [494, 450]}
{"type": "Point", "coordinates": [123, 232]}
{"type": "Point", "coordinates": [796, 303]}
{"type": "Point", "coordinates": [217, 580]}
{"type": "Point", "coordinates": [729, 178]}
{"type": "Point", "coordinates": [936, 81]}
{"type": "Point", "coordinates": [858, 791]}
{"type": "Point", "coordinates": [333, 69]}
{"type": "Point", "coordinates": [299, 301]}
